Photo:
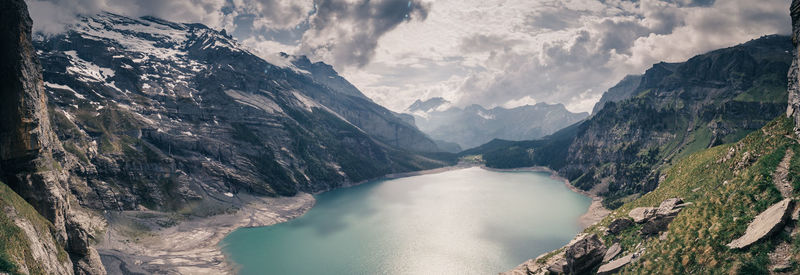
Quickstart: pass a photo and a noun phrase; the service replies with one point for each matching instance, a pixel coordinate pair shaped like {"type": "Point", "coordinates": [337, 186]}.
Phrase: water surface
{"type": "Point", "coordinates": [469, 221]}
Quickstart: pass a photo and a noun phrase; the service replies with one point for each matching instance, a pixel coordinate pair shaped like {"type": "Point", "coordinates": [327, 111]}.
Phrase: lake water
{"type": "Point", "coordinates": [469, 221]}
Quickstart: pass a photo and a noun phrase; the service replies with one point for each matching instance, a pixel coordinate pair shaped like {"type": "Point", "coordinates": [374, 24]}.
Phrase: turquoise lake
{"type": "Point", "coordinates": [468, 221]}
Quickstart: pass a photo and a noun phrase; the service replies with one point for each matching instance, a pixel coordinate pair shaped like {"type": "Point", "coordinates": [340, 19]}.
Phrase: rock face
{"type": "Point", "coordinates": [765, 224]}
{"type": "Point", "coordinates": [32, 161]}
{"type": "Point", "coordinates": [166, 116]}
{"type": "Point", "coordinates": [583, 256]}
{"type": "Point", "coordinates": [475, 125]}
{"type": "Point", "coordinates": [793, 109]}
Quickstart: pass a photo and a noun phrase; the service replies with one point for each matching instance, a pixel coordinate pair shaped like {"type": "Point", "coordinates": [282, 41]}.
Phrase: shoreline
{"type": "Point", "coordinates": [192, 246]}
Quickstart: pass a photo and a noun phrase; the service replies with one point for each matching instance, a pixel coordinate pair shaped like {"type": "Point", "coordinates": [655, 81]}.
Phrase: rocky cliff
{"type": "Point", "coordinates": [32, 162]}
{"type": "Point", "coordinates": [793, 110]}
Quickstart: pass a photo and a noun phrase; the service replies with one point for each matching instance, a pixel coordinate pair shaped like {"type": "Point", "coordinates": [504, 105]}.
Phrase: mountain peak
{"type": "Point", "coordinates": [427, 105]}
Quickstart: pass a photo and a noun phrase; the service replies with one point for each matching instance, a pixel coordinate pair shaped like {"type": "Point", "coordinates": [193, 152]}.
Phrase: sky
{"type": "Point", "coordinates": [504, 53]}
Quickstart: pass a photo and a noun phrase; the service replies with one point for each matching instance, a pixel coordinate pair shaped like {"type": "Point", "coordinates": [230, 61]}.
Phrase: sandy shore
{"type": "Point", "coordinates": [190, 246]}
{"type": "Point", "coordinates": [596, 211]}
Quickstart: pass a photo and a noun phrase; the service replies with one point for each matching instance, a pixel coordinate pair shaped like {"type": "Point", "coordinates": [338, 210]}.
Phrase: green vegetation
{"type": "Point", "coordinates": [15, 248]}
{"type": "Point", "coordinates": [726, 191]}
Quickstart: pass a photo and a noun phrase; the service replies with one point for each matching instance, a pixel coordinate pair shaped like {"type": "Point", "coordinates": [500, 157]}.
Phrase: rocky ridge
{"type": "Point", "coordinates": [32, 160]}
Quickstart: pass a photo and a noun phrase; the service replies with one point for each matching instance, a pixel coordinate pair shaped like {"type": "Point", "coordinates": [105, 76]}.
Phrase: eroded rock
{"type": "Point", "coordinates": [642, 214]}
{"type": "Point", "coordinates": [583, 256]}
{"type": "Point", "coordinates": [765, 224]}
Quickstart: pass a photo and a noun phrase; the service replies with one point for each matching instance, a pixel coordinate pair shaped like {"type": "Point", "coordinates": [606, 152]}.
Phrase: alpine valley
{"type": "Point", "coordinates": [135, 145]}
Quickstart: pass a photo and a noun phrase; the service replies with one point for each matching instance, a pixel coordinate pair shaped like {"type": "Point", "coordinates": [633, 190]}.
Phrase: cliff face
{"type": "Point", "coordinates": [676, 110]}
{"type": "Point", "coordinates": [32, 160]}
{"type": "Point", "coordinates": [793, 110]}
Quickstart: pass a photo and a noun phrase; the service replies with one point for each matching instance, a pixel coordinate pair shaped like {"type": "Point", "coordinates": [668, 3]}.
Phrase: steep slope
{"type": "Point", "coordinates": [677, 109]}
{"type": "Point", "coordinates": [34, 165]}
{"type": "Point", "coordinates": [347, 101]}
{"type": "Point", "coordinates": [175, 116]}
{"type": "Point", "coordinates": [474, 125]}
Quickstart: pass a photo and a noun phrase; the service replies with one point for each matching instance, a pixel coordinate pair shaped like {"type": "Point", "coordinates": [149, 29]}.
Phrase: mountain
{"type": "Point", "coordinates": [165, 115]}
{"type": "Point", "coordinates": [474, 125]}
{"type": "Point", "coordinates": [623, 90]}
{"type": "Point", "coordinates": [42, 231]}
{"type": "Point", "coordinates": [677, 109]}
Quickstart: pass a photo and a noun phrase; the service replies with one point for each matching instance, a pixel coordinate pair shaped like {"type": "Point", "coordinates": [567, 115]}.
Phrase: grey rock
{"type": "Point", "coordinates": [33, 162]}
{"type": "Point", "coordinates": [584, 255]}
{"type": "Point", "coordinates": [765, 224]}
{"type": "Point", "coordinates": [663, 216]}
{"type": "Point", "coordinates": [615, 265]}
{"type": "Point", "coordinates": [642, 214]}
{"type": "Point", "coordinates": [612, 252]}
{"type": "Point", "coordinates": [793, 108]}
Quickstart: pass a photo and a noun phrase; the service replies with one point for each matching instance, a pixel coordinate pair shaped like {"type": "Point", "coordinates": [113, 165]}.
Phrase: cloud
{"type": "Point", "coordinates": [489, 52]}
{"type": "Point", "coordinates": [52, 16]}
{"type": "Point", "coordinates": [346, 33]}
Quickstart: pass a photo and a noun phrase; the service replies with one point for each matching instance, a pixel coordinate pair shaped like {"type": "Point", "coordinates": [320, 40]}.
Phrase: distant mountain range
{"type": "Point", "coordinates": [474, 125]}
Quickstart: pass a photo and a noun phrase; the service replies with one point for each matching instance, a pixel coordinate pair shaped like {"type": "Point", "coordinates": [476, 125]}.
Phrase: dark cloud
{"type": "Point", "coordinates": [487, 43]}
{"type": "Point", "coordinates": [348, 32]}
{"type": "Point", "coordinates": [552, 18]}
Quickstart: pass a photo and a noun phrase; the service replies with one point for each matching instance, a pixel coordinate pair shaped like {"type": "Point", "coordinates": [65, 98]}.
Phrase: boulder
{"type": "Point", "coordinates": [616, 265]}
{"type": "Point", "coordinates": [584, 255]}
{"type": "Point", "coordinates": [765, 224]}
{"type": "Point", "coordinates": [618, 225]}
{"type": "Point", "coordinates": [670, 206]}
{"type": "Point", "coordinates": [642, 214]}
{"type": "Point", "coordinates": [612, 252]}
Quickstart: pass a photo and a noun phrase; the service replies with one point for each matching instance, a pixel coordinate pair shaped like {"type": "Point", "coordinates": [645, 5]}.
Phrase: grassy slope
{"type": "Point", "coordinates": [15, 247]}
{"type": "Point", "coordinates": [724, 202]}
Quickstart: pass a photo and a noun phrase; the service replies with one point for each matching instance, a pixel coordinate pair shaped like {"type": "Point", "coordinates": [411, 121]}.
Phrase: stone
{"type": "Point", "coordinates": [612, 252]}
{"type": "Point", "coordinates": [618, 225]}
{"type": "Point", "coordinates": [584, 255]}
{"type": "Point", "coordinates": [642, 214]}
{"type": "Point", "coordinates": [765, 224]}
{"type": "Point", "coordinates": [616, 265]}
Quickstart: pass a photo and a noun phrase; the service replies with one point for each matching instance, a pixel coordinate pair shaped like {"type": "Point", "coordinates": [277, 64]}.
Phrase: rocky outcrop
{"type": "Point", "coordinates": [793, 109]}
{"type": "Point", "coordinates": [656, 219]}
{"type": "Point", "coordinates": [583, 256]}
{"type": "Point", "coordinates": [32, 160]}
{"type": "Point", "coordinates": [765, 224]}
